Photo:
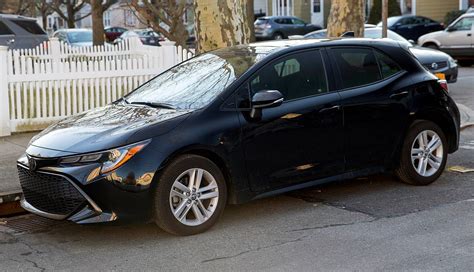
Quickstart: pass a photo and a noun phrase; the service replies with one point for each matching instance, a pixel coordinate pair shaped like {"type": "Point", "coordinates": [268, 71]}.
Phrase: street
{"type": "Point", "coordinates": [372, 223]}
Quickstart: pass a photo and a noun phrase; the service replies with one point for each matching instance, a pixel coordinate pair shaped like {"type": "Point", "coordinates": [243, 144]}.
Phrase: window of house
{"type": "Point", "coordinates": [130, 19]}
{"type": "Point", "coordinates": [296, 76]}
{"type": "Point", "coordinates": [106, 18]}
{"type": "Point", "coordinates": [316, 6]}
{"type": "Point", "coordinates": [4, 30]}
{"type": "Point", "coordinates": [357, 66]}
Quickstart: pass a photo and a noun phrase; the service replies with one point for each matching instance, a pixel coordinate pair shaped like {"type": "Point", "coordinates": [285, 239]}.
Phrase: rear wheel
{"type": "Point", "coordinates": [432, 46]}
{"type": "Point", "coordinates": [190, 196]}
{"type": "Point", "coordinates": [278, 36]}
{"type": "Point", "coordinates": [424, 154]}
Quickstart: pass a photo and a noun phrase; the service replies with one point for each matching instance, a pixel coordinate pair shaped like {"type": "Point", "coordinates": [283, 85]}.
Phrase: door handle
{"type": "Point", "coordinates": [399, 95]}
{"type": "Point", "coordinates": [469, 34]}
{"type": "Point", "coordinates": [333, 108]}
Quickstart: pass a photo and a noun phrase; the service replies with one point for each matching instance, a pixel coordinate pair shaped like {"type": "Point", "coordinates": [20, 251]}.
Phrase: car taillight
{"type": "Point", "coordinates": [444, 84]}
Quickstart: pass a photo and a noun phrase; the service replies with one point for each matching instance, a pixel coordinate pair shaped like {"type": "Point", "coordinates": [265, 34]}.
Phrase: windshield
{"type": "Point", "coordinates": [376, 33]}
{"type": "Point", "coordinates": [390, 21]}
{"type": "Point", "coordinates": [195, 83]}
{"type": "Point", "coordinates": [79, 36]}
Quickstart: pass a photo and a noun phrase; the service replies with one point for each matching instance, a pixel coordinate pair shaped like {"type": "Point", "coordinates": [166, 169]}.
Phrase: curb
{"type": "Point", "coordinates": [10, 203]}
{"type": "Point", "coordinates": [467, 116]}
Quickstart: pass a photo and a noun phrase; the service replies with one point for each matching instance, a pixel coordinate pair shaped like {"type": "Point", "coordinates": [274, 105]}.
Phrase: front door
{"type": "Point", "coordinates": [317, 12]}
{"type": "Point", "coordinates": [458, 38]}
{"type": "Point", "coordinates": [301, 140]}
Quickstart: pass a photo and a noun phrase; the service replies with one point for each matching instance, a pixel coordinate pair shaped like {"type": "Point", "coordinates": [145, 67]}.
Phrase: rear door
{"type": "Point", "coordinates": [301, 140]}
{"type": "Point", "coordinates": [375, 110]}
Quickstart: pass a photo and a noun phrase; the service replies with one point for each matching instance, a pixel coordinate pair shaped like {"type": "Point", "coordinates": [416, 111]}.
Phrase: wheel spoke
{"type": "Point", "coordinates": [424, 136]}
{"type": "Point", "coordinates": [192, 179]}
{"type": "Point", "coordinates": [198, 178]}
{"type": "Point", "coordinates": [181, 187]}
{"type": "Point", "coordinates": [436, 159]}
{"type": "Point", "coordinates": [186, 211]}
{"type": "Point", "coordinates": [433, 163]}
{"type": "Point", "coordinates": [202, 208]}
{"type": "Point", "coordinates": [434, 143]}
{"type": "Point", "coordinates": [209, 187]}
{"type": "Point", "coordinates": [178, 211]}
{"type": "Point", "coordinates": [197, 212]}
{"type": "Point", "coordinates": [178, 194]}
{"type": "Point", "coordinates": [424, 166]}
{"type": "Point", "coordinates": [209, 195]}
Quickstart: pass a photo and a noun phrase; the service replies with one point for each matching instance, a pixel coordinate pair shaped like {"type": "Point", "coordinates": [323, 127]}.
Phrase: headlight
{"type": "Point", "coordinates": [452, 63]}
{"type": "Point", "coordinates": [111, 159]}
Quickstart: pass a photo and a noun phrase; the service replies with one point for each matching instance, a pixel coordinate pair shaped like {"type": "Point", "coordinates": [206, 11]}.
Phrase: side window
{"type": "Point", "coordinates": [29, 26]}
{"type": "Point", "coordinates": [357, 66]}
{"type": "Point", "coordinates": [464, 24]}
{"type": "Point", "coordinates": [4, 30]}
{"type": "Point", "coordinates": [388, 67]}
{"type": "Point", "coordinates": [297, 22]}
{"type": "Point", "coordinates": [296, 76]}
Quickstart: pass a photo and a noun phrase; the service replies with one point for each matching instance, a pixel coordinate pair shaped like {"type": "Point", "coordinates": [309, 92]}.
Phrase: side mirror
{"type": "Point", "coordinates": [412, 42]}
{"type": "Point", "coordinates": [265, 99]}
{"type": "Point", "coordinates": [451, 29]}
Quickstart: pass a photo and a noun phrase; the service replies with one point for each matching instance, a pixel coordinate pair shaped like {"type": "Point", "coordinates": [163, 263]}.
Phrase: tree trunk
{"type": "Point", "coordinates": [346, 15]}
{"type": "Point", "coordinates": [251, 19]}
{"type": "Point", "coordinates": [97, 22]}
{"type": "Point", "coordinates": [71, 22]}
{"type": "Point", "coordinates": [221, 23]}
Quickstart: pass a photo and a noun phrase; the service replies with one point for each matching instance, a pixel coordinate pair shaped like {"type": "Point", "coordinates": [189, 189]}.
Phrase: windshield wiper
{"type": "Point", "coordinates": [153, 104]}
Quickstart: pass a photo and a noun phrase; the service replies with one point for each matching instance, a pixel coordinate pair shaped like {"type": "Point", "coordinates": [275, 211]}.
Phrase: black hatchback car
{"type": "Point", "coordinates": [258, 120]}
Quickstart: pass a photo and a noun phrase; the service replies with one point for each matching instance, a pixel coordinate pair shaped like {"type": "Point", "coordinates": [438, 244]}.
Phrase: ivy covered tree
{"type": "Point", "coordinates": [376, 12]}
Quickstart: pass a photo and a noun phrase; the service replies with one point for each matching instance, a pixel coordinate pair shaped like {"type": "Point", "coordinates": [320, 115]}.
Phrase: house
{"type": "Point", "coordinates": [317, 11]}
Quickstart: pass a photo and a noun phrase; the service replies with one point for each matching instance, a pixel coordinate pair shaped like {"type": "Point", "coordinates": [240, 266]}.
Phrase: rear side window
{"type": "Point", "coordinates": [357, 66]}
{"type": "Point", "coordinates": [296, 76]}
{"type": "Point", "coordinates": [388, 67]}
{"type": "Point", "coordinates": [29, 26]}
{"type": "Point", "coordinates": [4, 30]}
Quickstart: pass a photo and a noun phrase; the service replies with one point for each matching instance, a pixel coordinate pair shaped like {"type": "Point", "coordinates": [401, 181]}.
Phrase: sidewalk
{"type": "Point", "coordinates": [12, 148]}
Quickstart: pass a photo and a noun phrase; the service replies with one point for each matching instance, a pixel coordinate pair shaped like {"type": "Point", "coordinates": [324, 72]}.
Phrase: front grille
{"type": "Point", "coordinates": [49, 193]}
{"type": "Point", "coordinates": [441, 65]}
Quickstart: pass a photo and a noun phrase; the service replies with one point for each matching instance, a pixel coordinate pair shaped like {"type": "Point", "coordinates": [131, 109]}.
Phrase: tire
{"type": "Point", "coordinates": [187, 202]}
{"type": "Point", "coordinates": [278, 36]}
{"type": "Point", "coordinates": [407, 170]}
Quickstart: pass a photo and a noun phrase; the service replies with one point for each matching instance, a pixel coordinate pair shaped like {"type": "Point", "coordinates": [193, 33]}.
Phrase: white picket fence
{"type": "Point", "coordinates": [43, 85]}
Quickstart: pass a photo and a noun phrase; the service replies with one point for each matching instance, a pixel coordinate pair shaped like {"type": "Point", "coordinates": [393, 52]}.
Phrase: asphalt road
{"type": "Point", "coordinates": [373, 223]}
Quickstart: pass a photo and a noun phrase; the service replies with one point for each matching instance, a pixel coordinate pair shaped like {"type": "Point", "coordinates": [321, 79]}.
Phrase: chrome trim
{"type": "Point", "coordinates": [27, 206]}
{"type": "Point", "coordinates": [91, 202]}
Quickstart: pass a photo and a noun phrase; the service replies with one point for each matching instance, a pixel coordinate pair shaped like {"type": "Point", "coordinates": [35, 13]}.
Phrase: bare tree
{"type": "Point", "coordinates": [67, 9]}
{"type": "Point", "coordinates": [346, 15]}
{"type": "Point", "coordinates": [221, 23]}
{"type": "Point", "coordinates": [98, 8]}
{"type": "Point", "coordinates": [43, 8]}
{"type": "Point", "coordinates": [165, 17]}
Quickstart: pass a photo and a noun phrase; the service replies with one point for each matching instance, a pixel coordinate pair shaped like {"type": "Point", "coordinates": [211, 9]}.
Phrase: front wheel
{"type": "Point", "coordinates": [190, 196]}
{"type": "Point", "coordinates": [424, 154]}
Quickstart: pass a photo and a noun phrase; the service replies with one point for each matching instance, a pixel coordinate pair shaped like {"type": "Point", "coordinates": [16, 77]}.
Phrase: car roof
{"type": "Point", "coordinates": [13, 16]}
{"type": "Point", "coordinates": [278, 17]}
{"type": "Point", "coordinates": [74, 30]}
{"type": "Point", "coordinates": [467, 15]}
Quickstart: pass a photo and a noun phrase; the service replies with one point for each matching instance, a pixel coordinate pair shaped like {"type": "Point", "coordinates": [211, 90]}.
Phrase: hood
{"type": "Point", "coordinates": [428, 56]}
{"type": "Point", "coordinates": [431, 35]}
{"type": "Point", "coordinates": [106, 127]}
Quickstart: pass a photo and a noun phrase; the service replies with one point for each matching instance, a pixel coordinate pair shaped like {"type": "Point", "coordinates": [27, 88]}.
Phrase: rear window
{"type": "Point", "coordinates": [29, 26]}
{"type": "Point", "coordinates": [4, 30]}
{"type": "Point", "coordinates": [261, 21]}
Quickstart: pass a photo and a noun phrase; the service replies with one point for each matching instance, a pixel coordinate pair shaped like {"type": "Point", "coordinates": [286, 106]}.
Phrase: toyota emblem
{"type": "Point", "coordinates": [32, 163]}
{"type": "Point", "coordinates": [434, 65]}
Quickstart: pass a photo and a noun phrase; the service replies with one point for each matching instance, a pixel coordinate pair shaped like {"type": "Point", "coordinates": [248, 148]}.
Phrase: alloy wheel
{"type": "Point", "coordinates": [194, 197]}
{"type": "Point", "coordinates": [427, 153]}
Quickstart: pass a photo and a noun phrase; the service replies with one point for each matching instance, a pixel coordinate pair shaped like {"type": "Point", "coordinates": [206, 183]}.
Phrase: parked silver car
{"type": "Point", "coordinates": [457, 39]}
{"type": "Point", "coordinates": [20, 32]}
{"type": "Point", "coordinates": [280, 27]}
{"type": "Point", "coordinates": [77, 37]}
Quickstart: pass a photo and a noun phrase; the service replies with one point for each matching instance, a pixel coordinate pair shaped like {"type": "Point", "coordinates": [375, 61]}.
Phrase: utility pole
{"type": "Point", "coordinates": [384, 18]}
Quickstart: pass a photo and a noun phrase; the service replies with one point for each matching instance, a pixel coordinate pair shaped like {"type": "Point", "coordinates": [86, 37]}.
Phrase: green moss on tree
{"type": "Point", "coordinates": [376, 12]}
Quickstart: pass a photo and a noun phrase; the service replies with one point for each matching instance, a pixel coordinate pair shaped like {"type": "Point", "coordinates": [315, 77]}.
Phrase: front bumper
{"type": "Point", "coordinates": [451, 73]}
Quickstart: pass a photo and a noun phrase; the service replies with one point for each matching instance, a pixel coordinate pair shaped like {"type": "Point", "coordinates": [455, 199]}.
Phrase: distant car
{"type": "Point", "coordinates": [280, 27]}
{"type": "Point", "coordinates": [18, 32]}
{"type": "Point", "coordinates": [412, 27]}
{"type": "Point", "coordinates": [76, 37]}
{"type": "Point", "coordinates": [146, 36]}
{"type": "Point", "coordinates": [112, 33]}
{"type": "Point", "coordinates": [434, 60]}
{"type": "Point", "coordinates": [457, 39]}
{"type": "Point", "coordinates": [321, 34]}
